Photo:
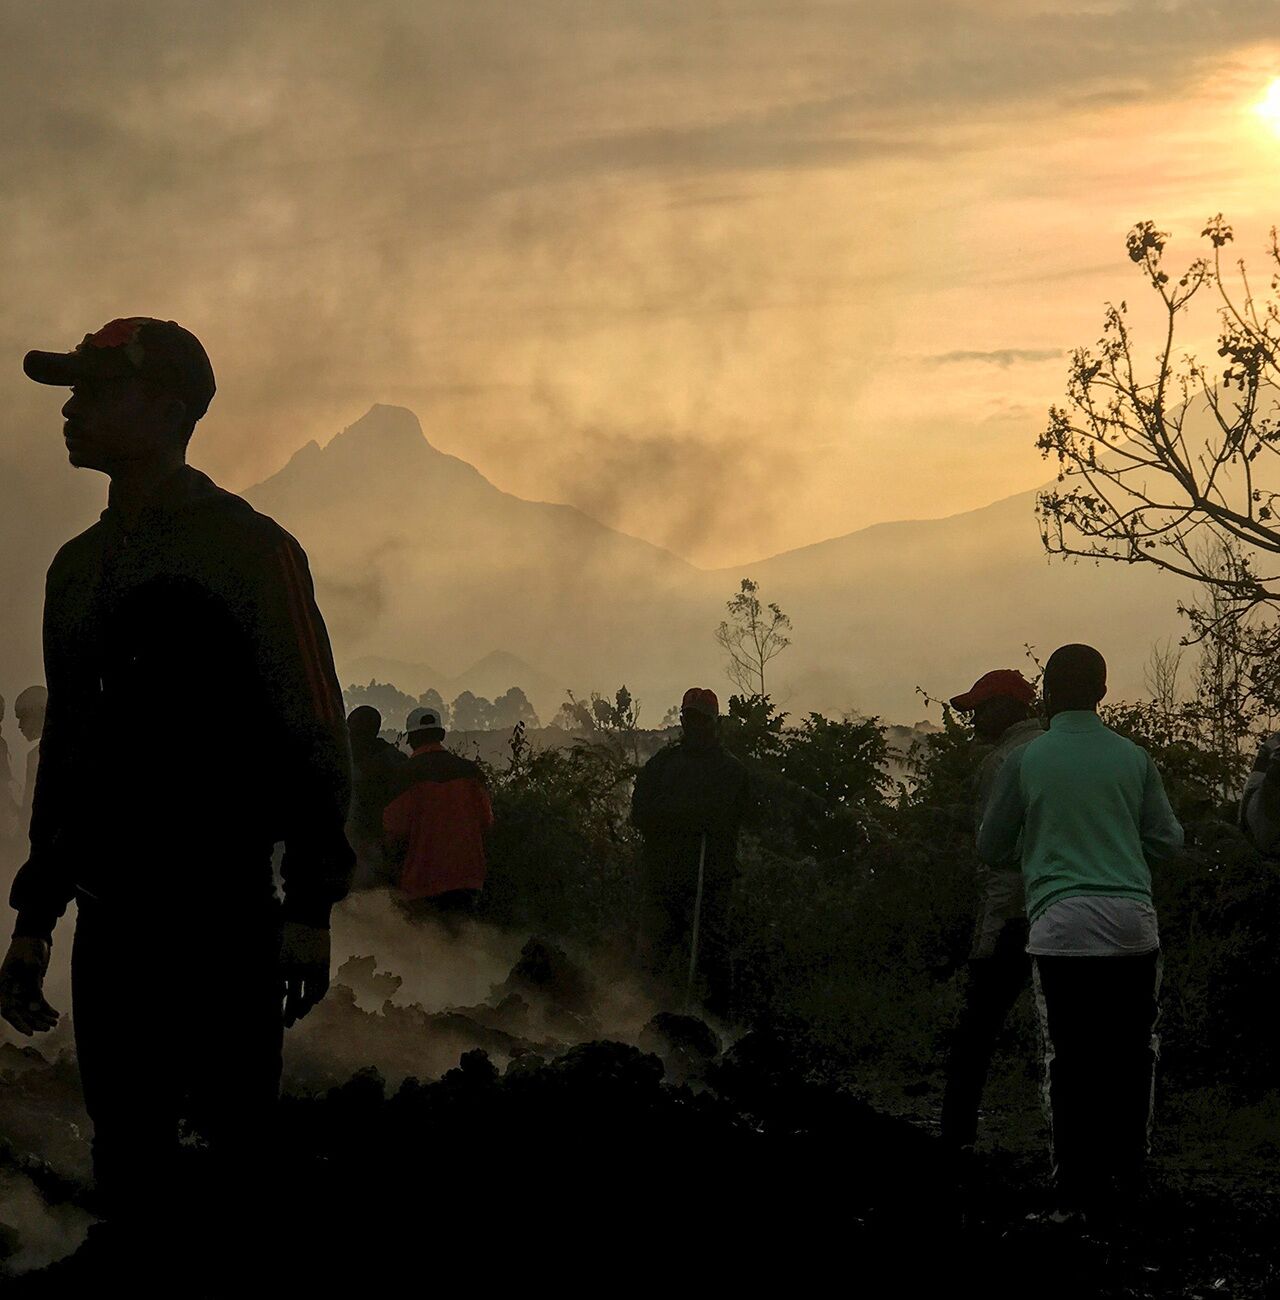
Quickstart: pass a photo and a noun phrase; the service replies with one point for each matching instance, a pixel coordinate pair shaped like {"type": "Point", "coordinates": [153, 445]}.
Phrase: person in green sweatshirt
{"type": "Point", "coordinates": [1085, 811]}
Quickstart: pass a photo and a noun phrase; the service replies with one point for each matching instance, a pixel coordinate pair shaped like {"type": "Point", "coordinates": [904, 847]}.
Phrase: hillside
{"type": "Point", "coordinates": [419, 559]}
{"type": "Point", "coordinates": [934, 603]}
{"type": "Point", "coordinates": [422, 566]}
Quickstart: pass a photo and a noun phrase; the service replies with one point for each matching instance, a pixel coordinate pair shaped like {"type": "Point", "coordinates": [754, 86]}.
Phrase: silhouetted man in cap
{"type": "Point", "coordinates": [689, 801]}
{"type": "Point", "coordinates": [1002, 704]}
{"type": "Point", "coordinates": [185, 967]}
{"type": "Point", "coordinates": [1085, 811]}
{"type": "Point", "coordinates": [374, 763]}
{"type": "Point", "coordinates": [435, 824]}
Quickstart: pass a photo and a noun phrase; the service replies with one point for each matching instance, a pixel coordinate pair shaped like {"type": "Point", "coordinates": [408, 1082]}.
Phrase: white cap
{"type": "Point", "coordinates": [421, 719]}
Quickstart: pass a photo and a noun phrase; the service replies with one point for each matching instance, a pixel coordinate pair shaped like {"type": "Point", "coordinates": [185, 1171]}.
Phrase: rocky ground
{"type": "Point", "coordinates": [523, 1140]}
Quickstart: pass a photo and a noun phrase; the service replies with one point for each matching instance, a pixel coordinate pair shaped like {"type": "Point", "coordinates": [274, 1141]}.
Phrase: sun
{"type": "Point", "coordinates": [1268, 107]}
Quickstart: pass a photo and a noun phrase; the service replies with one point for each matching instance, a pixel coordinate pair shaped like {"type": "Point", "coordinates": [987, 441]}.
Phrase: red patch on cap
{"type": "Point", "coordinates": [115, 334]}
{"type": "Point", "coordinates": [699, 699]}
{"type": "Point", "coordinates": [1002, 681]}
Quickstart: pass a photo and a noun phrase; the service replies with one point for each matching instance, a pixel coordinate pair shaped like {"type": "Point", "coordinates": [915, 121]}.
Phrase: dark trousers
{"type": "Point", "coordinates": [178, 1017]}
{"type": "Point", "coordinates": [994, 985]}
{"type": "Point", "coordinates": [1099, 1019]}
{"type": "Point", "coordinates": [450, 909]}
{"type": "Point", "coordinates": [666, 936]}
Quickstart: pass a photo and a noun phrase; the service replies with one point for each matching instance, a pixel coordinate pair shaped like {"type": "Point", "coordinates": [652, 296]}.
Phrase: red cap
{"type": "Point", "coordinates": [698, 699]}
{"type": "Point", "coordinates": [142, 345]}
{"type": "Point", "coordinates": [1003, 681]}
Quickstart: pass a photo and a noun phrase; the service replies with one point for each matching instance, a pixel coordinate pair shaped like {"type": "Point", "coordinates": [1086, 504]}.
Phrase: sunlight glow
{"type": "Point", "coordinates": [1268, 107]}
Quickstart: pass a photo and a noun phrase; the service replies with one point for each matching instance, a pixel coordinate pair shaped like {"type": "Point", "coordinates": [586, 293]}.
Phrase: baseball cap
{"type": "Point", "coordinates": [698, 699]}
{"type": "Point", "coordinates": [160, 350]}
{"type": "Point", "coordinates": [421, 719]}
{"type": "Point", "coordinates": [1002, 681]}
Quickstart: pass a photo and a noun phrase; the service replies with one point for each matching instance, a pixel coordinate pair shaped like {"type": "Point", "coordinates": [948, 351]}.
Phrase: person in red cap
{"type": "Point", "coordinates": [1002, 705]}
{"type": "Point", "coordinates": [689, 801]}
{"type": "Point", "coordinates": [180, 592]}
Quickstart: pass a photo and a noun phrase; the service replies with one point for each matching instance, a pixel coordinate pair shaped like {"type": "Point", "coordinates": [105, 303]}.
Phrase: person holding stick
{"type": "Point", "coordinates": [690, 799]}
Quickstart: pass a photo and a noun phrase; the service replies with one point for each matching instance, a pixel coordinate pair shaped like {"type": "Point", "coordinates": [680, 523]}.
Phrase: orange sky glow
{"type": "Point", "coordinates": [732, 279]}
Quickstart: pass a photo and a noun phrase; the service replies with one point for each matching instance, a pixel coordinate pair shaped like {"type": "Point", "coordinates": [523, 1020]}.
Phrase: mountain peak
{"type": "Point", "coordinates": [391, 425]}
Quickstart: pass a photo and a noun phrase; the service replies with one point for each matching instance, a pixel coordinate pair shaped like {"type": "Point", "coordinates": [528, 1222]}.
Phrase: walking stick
{"type": "Point", "coordinates": [697, 921]}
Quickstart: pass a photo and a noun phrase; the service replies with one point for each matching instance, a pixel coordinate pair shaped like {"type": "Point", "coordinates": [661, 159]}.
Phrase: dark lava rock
{"type": "Point", "coordinates": [15, 1060]}
{"type": "Point", "coordinates": [548, 971]}
{"type": "Point", "coordinates": [606, 1065]}
{"type": "Point", "coordinates": [669, 1032]}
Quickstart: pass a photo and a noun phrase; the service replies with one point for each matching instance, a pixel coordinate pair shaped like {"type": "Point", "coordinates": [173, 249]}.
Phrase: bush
{"type": "Point", "coordinates": [562, 851]}
{"type": "Point", "coordinates": [854, 908]}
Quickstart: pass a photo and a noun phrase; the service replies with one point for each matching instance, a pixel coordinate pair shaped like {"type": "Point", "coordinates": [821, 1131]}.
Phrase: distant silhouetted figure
{"type": "Point", "coordinates": [689, 801]}
{"type": "Point", "coordinates": [1001, 703]}
{"type": "Point", "coordinates": [435, 825]}
{"type": "Point", "coordinates": [1086, 812]}
{"type": "Point", "coordinates": [181, 611]}
{"type": "Point", "coordinates": [10, 796]}
{"type": "Point", "coordinates": [1260, 802]}
{"type": "Point", "coordinates": [29, 709]}
{"type": "Point", "coordinates": [374, 764]}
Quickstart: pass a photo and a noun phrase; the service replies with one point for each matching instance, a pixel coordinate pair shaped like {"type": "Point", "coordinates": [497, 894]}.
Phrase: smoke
{"type": "Point", "coordinates": [677, 490]}
{"type": "Point", "coordinates": [410, 997]}
{"type": "Point", "coordinates": [437, 968]}
{"type": "Point", "coordinates": [35, 1232]}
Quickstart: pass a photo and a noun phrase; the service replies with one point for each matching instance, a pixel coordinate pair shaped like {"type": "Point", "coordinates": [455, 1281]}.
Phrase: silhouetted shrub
{"type": "Point", "coordinates": [854, 909]}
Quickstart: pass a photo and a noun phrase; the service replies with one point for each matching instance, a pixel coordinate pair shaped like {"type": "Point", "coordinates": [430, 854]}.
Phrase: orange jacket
{"type": "Point", "coordinates": [434, 825]}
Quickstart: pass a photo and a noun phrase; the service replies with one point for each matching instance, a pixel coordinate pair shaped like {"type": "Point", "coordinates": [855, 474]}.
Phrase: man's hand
{"type": "Point", "coordinates": [304, 965]}
{"type": "Point", "coordinates": [22, 974]}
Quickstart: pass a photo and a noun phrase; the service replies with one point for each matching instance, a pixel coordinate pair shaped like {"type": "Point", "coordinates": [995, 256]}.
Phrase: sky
{"type": "Point", "coordinates": [733, 277]}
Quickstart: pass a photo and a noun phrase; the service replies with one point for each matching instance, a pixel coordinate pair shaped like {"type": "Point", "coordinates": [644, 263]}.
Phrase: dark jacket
{"type": "Point", "coordinates": [435, 823]}
{"type": "Point", "coordinates": [194, 718]}
{"type": "Point", "coordinates": [375, 765]}
{"type": "Point", "coordinates": [683, 791]}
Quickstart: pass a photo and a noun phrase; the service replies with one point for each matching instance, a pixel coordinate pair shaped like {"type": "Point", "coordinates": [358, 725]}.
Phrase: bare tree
{"type": "Point", "coordinates": [1229, 695]}
{"type": "Point", "coordinates": [752, 635]}
{"type": "Point", "coordinates": [1161, 674]}
{"type": "Point", "coordinates": [1154, 461]}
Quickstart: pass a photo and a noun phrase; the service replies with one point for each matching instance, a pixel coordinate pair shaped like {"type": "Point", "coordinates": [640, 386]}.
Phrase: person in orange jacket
{"type": "Point", "coordinates": [435, 824]}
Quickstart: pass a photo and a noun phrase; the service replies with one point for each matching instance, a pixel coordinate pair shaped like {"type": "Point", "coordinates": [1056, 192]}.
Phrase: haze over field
{"type": "Point", "coordinates": [725, 280]}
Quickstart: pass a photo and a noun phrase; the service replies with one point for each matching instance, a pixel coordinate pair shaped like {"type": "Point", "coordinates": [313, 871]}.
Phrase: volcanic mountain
{"type": "Point", "coordinates": [419, 558]}
{"type": "Point", "coordinates": [935, 603]}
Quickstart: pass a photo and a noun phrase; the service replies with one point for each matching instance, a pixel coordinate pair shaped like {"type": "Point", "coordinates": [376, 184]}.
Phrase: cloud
{"type": "Point", "coordinates": [704, 218]}
{"type": "Point", "coordinates": [1002, 357]}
